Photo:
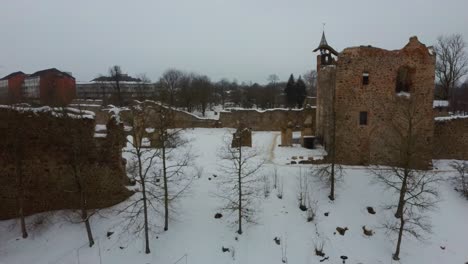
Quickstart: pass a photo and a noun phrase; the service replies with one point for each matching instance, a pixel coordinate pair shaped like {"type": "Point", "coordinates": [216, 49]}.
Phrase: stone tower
{"type": "Point", "coordinates": [326, 61]}
{"type": "Point", "coordinates": [368, 90]}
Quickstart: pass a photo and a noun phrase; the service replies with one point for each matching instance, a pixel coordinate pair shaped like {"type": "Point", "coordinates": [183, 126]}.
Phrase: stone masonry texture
{"type": "Point", "coordinates": [43, 144]}
{"type": "Point", "coordinates": [368, 144]}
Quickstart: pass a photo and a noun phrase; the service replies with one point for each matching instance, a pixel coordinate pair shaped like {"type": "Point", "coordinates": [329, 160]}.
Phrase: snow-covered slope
{"type": "Point", "coordinates": [196, 237]}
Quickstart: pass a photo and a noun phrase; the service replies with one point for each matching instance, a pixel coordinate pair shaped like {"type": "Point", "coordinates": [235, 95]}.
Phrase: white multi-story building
{"type": "Point", "coordinates": [31, 87]}
{"type": "Point", "coordinates": [105, 87]}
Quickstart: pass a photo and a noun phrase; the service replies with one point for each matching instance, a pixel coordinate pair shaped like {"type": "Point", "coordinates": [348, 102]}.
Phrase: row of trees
{"type": "Point", "coordinates": [451, 68]}
{"type": "Point", "coordinates": [192, 91]}
{"type": "Point", "coordinates": [451, 64]}
{"type": "Point", "coordinates": [161, 176]}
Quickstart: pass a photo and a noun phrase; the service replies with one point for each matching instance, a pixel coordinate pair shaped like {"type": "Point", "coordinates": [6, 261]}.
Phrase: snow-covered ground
{"type": "Point", "coordinates": [196, 237]}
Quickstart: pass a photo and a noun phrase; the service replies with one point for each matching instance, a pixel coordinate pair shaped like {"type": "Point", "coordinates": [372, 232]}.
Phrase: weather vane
{"type": "Point", "coordinates": [323, 26]}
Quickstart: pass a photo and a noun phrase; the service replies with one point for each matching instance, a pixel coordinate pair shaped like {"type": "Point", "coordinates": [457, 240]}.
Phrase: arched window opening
{"type": "Point", "coordinates": [404, 79]}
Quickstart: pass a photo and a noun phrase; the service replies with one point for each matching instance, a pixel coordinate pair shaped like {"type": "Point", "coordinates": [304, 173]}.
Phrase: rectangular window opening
{"type": "Point", "coordinates": [363, 118]}
{"type": "Point", "coordinates": [365, 78]}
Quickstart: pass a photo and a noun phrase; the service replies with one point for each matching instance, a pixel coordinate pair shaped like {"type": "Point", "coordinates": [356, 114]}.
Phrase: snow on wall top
{"type": "Point", "coordinates": [54, 111]}
{"type": "Point", "coordinates": [448, 118]}
{"type": "Point", "coordinates": [440, 103]}
{"type": "Point", "coordinates": [115, 111]}
{"type": "Point", "coordinates": [175, 109]}
{"type": "Point", "coordinates": [263, 111]}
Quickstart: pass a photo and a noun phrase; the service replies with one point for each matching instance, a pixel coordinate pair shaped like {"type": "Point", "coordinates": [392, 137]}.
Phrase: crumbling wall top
{"type": "Point", "coordinates": [413, 46]}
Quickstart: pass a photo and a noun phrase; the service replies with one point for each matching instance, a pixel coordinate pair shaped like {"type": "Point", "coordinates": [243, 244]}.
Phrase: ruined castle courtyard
{"type": "Point", "coordinates": [198, 236]}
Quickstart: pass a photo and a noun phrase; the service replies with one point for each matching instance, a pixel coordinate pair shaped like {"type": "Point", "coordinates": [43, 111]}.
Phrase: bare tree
{"type": "Point", "coordinates": [222, 89]}
{"type": "Point", "coordinates": [175, 179]}
{"type": "Point", "coordinates": [273, 79]}
{"type": "Point", "coordinates": [268, 97]}
{"type": "Point", "coordinates": [279, 190]}
{"type": "Point", "coordinates": [310, 79]}
{"type": "Point", "coordinates": [239, 184]}
{"type": "Point", "coordinates": [330, 172]}
{"type": "Point", "coordinates": [416, 189]}
{"type": "Point", "coordinates": [303, 192]}
{"type": "Point", "coordinates": [203, 88]}
{"type": "Point", "coordinates": [143, 160]}
{"type": "Point", "coordinates": [451, 64]}
{"type": "Point", "coordinates": [403, 137]}
{"type": "Point", "coordinates": [144, 89]}
{"type": "Point", "coordinates": [266, 185]}
{"type": "Point", "coordinates": [461, 181]}
{"type": "Point", "coordinates": [271, 92]}
{"type": "Point", "coordinates": [275, 177]}
{"type": "Point", "coordinates": [170, 82]}
{"type": "Point", "coordinates": [187, 94]}
{"type": "Point", "coordinates": [420, 195]}
{"type": "Point", "coordinates": [16, 151]}
{"type": "Point", "coordinates": [115, 73]}
{"type": "Point", "coordinates": [79, 153]}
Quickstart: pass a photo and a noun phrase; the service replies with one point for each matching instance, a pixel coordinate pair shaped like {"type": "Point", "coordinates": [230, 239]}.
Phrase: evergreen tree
{"type": "Point", "coordinates": [300, 92]}
{"type": "Point", "coordinates": [290, 91]}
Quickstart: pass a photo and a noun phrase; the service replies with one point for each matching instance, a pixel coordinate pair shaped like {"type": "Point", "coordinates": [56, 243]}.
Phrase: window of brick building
{"type": "Point", "coordinates": [365, 78]}
{"type": "Point", "coordinates": [363, 118]}
{"type": "Point", "coordinates": [404, 80]}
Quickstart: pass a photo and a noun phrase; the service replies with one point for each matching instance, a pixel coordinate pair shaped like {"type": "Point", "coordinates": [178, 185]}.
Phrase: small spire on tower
{"type": "Point", "coordinates": [323, 46]}
{"type": "Point", "coordinates": [323, 41]}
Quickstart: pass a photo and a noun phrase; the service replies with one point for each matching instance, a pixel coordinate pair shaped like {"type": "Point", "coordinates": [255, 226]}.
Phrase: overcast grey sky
{"type": "Point", "coordinates": [242, 39]}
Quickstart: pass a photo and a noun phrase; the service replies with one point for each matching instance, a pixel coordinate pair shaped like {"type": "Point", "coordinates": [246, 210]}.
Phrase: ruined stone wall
{"type": "Point", "coordinates": [368, 144]}
{"type": "Point", "coordinates": [43, 144]}
{"type": "Point", "coordinates": [268, 120]}
{"type": "Point", "coordinates": [186, 120]}
{"type": "Point", "coordinates": [451, 138]}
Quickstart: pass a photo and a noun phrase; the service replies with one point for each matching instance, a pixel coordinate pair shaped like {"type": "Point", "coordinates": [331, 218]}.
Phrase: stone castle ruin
{"type": "Point", "coordinates": [368, 97]}
{"type": "Point", "coordinates": [39, 145]}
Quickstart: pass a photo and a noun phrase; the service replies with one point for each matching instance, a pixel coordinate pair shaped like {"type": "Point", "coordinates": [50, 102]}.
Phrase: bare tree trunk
{"type": "Point", "coordinates": [20, 191]}
{"type": "Point", "coordinates": [145, 206]}
{"type": "Point", "coordinates": [119, 96]}
{"type": "Point", "coordinates": [332, 183]}
{"type": "Point", "coordinates": [240, 184]}
{"type": "Point", "coordinates": [84, 216]}
{"type": "Point", "coordinates": [401, 200]}
{"type": "Point", "coordinates": [406, 172]}
{"type": "Point", "coordinates": [332, 175]}
{"type": "Point", "coordinates": [464, 185]}
{"type": "Point", "coordinates": [21, 213]}
{"type": "Point", "coordinates": [145, 212]}
{"type": "Point", "coordinates": [166, 189]}
{"type": "Point", "coordinates": [23, 222]}
{"type": "Point", "coordinates": [396, 256]}
{"type": "Point", "coordinates": [84, 212]}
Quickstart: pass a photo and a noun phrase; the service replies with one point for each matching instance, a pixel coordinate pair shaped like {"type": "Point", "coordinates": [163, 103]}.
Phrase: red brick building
{"type": "Point", "coordinates": [48, 87]}
{"type": "Point", "coordinates": [11, 86]}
